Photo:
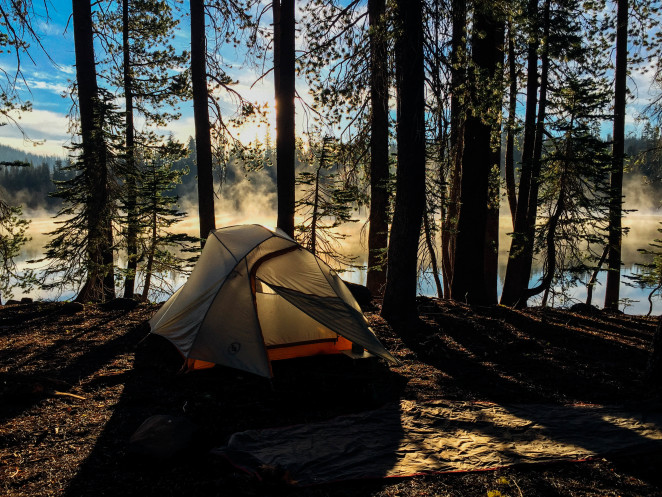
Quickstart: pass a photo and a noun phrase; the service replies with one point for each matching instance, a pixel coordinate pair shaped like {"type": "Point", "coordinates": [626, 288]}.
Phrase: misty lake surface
{"type": "Point", "coordinates": [642, 231]}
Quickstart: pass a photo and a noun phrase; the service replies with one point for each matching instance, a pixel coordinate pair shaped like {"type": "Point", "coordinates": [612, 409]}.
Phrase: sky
{"type": "Point", "coordinates": [47, 83]}
{"type": "Point", "coordinates": [47, 126]}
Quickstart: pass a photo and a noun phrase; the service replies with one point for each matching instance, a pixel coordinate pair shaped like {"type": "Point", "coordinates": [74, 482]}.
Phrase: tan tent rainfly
{"type": "Point", "coordinates": [254, 296]}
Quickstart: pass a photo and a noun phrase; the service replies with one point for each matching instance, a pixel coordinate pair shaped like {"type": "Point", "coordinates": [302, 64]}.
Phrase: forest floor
{"type": "Point", "coordinates": [74, 387]}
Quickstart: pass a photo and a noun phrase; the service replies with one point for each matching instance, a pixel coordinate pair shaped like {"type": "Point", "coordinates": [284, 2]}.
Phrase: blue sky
{"type": "Point", "coordinates": [47, 82]}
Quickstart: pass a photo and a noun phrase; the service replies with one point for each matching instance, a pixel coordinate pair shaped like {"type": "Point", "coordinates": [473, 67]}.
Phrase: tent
{"type": "Point", "coordinates": [255, 296]}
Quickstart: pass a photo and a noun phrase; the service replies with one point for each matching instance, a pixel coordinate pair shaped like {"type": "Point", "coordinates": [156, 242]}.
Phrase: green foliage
{"type": "Point", "coordinates": [158, 82]}
{"type": "Point", "coordinates": [162, 251]}
{"type": "Point", "coordinates": [325, 203]}
{"type": "Point", "coordinates": [12, 238]}
{"type": "Point", "coordinates": [575, 179]}
{"type": "Point", "coordinates": [69, 253]}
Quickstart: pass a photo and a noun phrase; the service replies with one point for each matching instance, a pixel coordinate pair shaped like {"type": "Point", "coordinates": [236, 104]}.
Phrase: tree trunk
{"type": "Point", "coordinates": [130, 166]}
{"type": "Point", "coordinates": [594, 276]}
{"type": "Point", "coordinates": [654, 369]}
{"type": "Point", "coordinates": [510, 132]}
{"type": "Point", "coordinates": [492, 224]}
{"type": "Point", "coordinates": [379, 170]}
{"type": "Point", "coordinates": [285, 90]}
{"type": "Point", "coordinates": [532, 210]}
{"type": "Point", "coordinates": [316, 201]}
{"type": "Point", "coordinates": [612, 292]}
{"type": "Point", "coordinates": [401, 278]}
{"type": "Point", "coordinates": [201, 118]}
{"type": "Point", "coordinates": [516, 280]}
{"type": "Point", "coordinates": [429, 242]}
{"type": "Point", "coordinates": [469, 276]}
{"type": "Point", "coordinates": [458, 75]}
{"type": "Point", "coordinates": [100, 283]}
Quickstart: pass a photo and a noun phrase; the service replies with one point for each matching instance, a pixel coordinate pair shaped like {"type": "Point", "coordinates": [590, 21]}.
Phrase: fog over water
{"type": "Point", "coordinates": [250, 203]}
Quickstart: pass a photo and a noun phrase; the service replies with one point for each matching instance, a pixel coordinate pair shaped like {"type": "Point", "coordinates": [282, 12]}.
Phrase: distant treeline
{"type": "Point", "coordinates": [30, 185]}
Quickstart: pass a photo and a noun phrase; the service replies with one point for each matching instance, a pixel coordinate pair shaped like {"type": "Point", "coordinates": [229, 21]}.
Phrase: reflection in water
{"type": "Point", "coordinates": [642, 231]}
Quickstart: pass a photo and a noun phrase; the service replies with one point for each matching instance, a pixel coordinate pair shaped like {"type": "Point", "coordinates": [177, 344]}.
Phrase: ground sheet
{"type": "Point", "coordinates": [410, 438]}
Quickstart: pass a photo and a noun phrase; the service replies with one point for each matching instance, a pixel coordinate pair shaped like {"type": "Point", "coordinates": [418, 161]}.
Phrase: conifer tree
{"type": "Point", "coordinates": [81, 251]}
{"type": "Point", "coordinates": [612, 290]}
{"type": "Point", "coordinates": [482, 125]}
{"type": "Point", "coordinates": [574, 190]}
{"type": "Point", "coordinates": [284, 77]}
{"type": "Point", "coordinates": [163, 250]}
{"type": "Point", "coordinates": [149, 80]}
{"type": "Point", "coordinates": [400, 293]}
{"type": "Point", "coordinates": [324, 205]}
{"type": "Point", "coordinates": [13, 237]}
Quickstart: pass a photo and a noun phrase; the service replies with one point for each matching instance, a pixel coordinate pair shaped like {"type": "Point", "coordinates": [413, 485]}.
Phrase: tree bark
{"type": "Point", "coordinates": [612, 291]}
{"type": "Point", "coordinates": [532, 209]}
{"type": "Point", "coordinates": [654, 369]}
{"type": "Point", "coordinates": [130, 165]}
{"type": "Point", "coordinates": [594, 276]}
{"type": "Point", "coordinates": [516, 280]}
{"type": "Point", "coordinates": [401, 278]}
{"type": "Point", "coordinates": [458, 75]}
{"type": "Point", "coordinates": [100, 284]}
{"type": "Point", "coordinates": [510, 133]}
{"type": "Point", "coordinates": [469, 276]}
{"type": "Point", "coordinates": [201, 118]}
{"type": "Point", "coordinates": [285, 90]}
{"type": "Point", "coordinates": [429, 242]}
{"type": "Point", "coordinates": [379, 170]}
{"type": "Point", "coordinates": [492, 223]}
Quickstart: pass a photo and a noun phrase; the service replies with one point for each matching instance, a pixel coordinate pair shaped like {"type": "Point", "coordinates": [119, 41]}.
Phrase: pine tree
{"type": "Point", "coordinates": [201, 116]}
{"type": "Point", "coordinates": [481, 127]}
{"type": "Point", "coordinates": [151, 84]}
{"type": "Point", "coordinates": [574, 190]}
{"type": "Point", "coordinates": [612, 291]}
{"type": "Point", "coordinates": [324, 205]}
{"type": "Point", "coordinates": [162, 250]}
{"type": "Point", "coordinates": [284, 77]}
{"type": "Point", "coordinates": [400, 293]}
{"type": "Point", "coordinates": [13, 237]}
{"type": "Point", "coordinates": [82, 249]}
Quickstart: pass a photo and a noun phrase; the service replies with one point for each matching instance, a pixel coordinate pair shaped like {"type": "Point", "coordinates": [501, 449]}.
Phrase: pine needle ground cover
{"type": "Point", "coordinates": [76, 386]}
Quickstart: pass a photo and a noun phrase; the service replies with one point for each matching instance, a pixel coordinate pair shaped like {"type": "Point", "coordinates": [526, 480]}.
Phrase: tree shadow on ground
{"type": "Point", "coordinates": [504, 355]}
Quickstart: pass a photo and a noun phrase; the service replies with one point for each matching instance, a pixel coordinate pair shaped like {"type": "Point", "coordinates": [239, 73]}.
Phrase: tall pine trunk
{"type": "Point", "coordinates": [612, 291]}
{"type": "Point", "coordinates": [517, 278]}
{"type": "Point", "coordinates": [201, 119]}
{"type": "Point", "coordinates": [379, 170]}
{"type": "Point", "coordinates": [493, 194]}
{"type": "Point", "coordinates": [469, 272]}
{"type": "Point", "coordinates": [458, 74]}
{"type": "Point", "coordinates": [130, 163]}
{"type": "Point", "coordinates": [285, 90]}
{"type": "Point", "coordinates": [401, 278]}
{"type": "Point", "coordinates": [509, 166]}
{"type": "Point", "coordinates": [100, 284]}
{"type": "Point", "coordinates": [532, 210]}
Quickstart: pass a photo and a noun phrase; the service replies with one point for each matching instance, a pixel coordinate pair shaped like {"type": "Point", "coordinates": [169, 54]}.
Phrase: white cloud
{"type": "Point", "coordinates": [38, 125]}
{"type": "Point", "coordinates": [48, 147]}
{"type": "Point", "coordinates": [50, 29]}
{"type": "Point", "coordinates": [56, 87]}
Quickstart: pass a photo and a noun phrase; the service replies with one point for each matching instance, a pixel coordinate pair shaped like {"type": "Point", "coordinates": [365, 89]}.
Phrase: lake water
{"type": "Point", "coordinates": [643, 230]}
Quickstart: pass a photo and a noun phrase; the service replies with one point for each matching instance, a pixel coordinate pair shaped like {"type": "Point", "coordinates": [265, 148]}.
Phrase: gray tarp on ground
{"type": "Point", "coordinates": [410, 438]}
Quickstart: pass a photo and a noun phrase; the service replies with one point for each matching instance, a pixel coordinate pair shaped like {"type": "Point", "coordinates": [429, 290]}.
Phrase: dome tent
{"type": "Point", "coordinates": [254, 296]}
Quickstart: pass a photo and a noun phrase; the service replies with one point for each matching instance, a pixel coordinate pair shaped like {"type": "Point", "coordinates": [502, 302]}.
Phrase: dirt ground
{"type": "Point", "coordinates": [74, 387]}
